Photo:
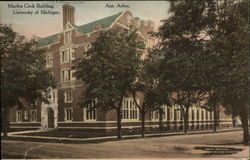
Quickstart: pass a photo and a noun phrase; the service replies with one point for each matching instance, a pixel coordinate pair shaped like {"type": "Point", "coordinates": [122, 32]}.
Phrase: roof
{"type": "Point", "coordinates": [84, 29]}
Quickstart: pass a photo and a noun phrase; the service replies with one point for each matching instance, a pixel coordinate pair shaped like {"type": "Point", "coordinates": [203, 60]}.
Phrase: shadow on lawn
{"type": "Point", "coordinates": [219, 150]}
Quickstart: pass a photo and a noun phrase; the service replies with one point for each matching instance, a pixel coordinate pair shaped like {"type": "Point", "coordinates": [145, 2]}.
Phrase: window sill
{"type": "Point", "coordinates": [130, 120]}
{"type": "Point", "coordinates": [68, 101]}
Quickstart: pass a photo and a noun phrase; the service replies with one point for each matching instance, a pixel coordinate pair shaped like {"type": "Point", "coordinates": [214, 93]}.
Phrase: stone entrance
{"type": "Point", "coordinates": [49, 113]}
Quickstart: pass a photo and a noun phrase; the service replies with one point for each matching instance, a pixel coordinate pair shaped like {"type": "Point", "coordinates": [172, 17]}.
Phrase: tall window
{"type": "Point", "coordinates": [53, 96]}
{"type": "Point", "coordinates": [202, 115]}
{"type": "Point", "coordinates": [90, 111]}
{"type": "Point", "coordinates": [19, 116]}
{"type": "Point", "coordinates": [154, 115]}
{"type": "Point", "coordinates": [129, 109]}
{"type": "Point", "coordinates": [181, 114]}
{"type": "Point", "coordinates": [68, 97]}
{"type": "Point", "coordinates": [192, 114]}
{"type": "Point", "coordinates": [175, 114]}
{"type": "Point", "coordinates": [25, 115]}
{"type": "Point", "coordinates": [49, 61]}
{"type": "Point", "coordinates": [68, 113]}
{"type": "Point", "coordinates": [168, 113]}
{"type": "Point", "coordinates": [66, 55]}
{"type": "Point", "coordinates": [198, 114]}
{"type": "Point", "coordinates": [33, 115]}
{"type": "Point", "coordinates": [67, 37]}
{"type": "Point", "coordinates": [68, 75]}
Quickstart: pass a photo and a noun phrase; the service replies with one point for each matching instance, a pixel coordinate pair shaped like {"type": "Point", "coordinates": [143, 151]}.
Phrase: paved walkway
{"type": "Point", "coordinates": [18, 134]}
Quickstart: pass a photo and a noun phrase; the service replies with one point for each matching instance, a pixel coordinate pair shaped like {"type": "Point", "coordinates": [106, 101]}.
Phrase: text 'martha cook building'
{"type": "Point", "coordinates": [64, 110]}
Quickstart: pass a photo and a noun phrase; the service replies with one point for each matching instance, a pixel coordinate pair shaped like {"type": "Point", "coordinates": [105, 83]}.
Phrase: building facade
{"type": "Point", "coordinates": [64, 110]}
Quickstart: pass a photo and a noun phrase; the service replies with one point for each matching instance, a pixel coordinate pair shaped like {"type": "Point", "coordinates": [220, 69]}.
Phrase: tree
{"type": "Point", "coordinates": [23, 77]}
{"type": "Point", "coordinates": [229, 43]}
{"type": "Point", "coordinates": [183, 40]}
{"type": "Point", "coordinates": [153, 95]}
{"type": "Point", "coordinates": [109, 69]}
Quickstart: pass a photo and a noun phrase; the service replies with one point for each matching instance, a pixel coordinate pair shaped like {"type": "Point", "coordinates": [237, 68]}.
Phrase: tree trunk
{"type": "Point", "coordinates": [186, 121]}
{"type": "Point", "coordinates": [6, 121]}
{"type": "Point", "coordinates": [215, 119]}
{"type": "Point", "coordinates": [244, 122]}
{"type": "Point", "coordinates": [143, 124]}
{"type": "Point", "coordinates": [119, 126]}
{"type": "Point", "coordinates": [160, 119]}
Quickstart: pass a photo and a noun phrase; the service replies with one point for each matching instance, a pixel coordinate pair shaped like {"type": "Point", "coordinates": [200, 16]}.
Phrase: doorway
{"type": "Point", "coordinates": [51, 121]}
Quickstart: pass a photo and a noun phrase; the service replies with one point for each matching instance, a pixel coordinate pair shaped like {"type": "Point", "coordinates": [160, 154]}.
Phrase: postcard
{"type": "Point", "coordinates": [123, 80]}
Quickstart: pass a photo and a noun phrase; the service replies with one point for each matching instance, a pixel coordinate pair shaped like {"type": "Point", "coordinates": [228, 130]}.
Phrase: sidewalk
{"type": "Point", "coordinates": [17, 135]}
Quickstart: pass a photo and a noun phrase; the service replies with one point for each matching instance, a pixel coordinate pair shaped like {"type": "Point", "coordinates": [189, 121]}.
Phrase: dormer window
{"type": "Point", "coordinates": [67, 37]}
{"type": "Point", "coordinates": [129, 18]}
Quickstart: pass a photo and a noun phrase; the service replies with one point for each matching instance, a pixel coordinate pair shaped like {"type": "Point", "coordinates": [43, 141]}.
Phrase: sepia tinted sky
{"type": "Point", "coordinates": [85, 11]}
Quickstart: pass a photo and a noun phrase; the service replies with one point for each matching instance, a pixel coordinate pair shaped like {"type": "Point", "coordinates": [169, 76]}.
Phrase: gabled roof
{"type": "Point", "coordinates": [83, 29]}
{"type": "Point", "coordinates": [105, 23]}
{"type": "Point", "coordinates": [47, 40]}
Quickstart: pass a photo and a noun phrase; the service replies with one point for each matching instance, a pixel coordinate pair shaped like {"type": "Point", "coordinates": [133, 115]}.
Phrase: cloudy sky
{"type": "Point", "coordinates": [85, 11]}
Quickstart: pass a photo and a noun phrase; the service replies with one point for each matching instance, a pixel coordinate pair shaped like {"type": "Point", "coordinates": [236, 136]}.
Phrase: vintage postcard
{"type": "Point", "coordinates": [124, 79]}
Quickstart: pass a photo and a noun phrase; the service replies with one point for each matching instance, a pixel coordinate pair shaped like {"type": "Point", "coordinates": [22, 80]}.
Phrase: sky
{"type": "Point", "coordinates": [85, 11]}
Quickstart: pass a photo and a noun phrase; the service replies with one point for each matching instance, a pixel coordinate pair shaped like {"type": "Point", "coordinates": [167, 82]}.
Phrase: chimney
{"type": "Point", "coordinates": [68, 15]}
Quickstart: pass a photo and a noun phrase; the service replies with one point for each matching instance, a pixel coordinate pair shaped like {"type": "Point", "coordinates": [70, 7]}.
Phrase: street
{"type": "Point", "coordinates": [182, 146]}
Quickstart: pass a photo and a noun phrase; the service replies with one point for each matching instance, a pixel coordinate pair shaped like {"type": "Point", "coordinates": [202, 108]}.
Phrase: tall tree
{"type": "Point", "coordinates": [183, 40]}
{"type": "Point", "coordinates": [229, 43]}
{"type": "Point", "coordinates": [109, 69]}
{"type": "Point", "coordinates": [153, 96]}
{"type": "Point", "coordinates": [23, 77]}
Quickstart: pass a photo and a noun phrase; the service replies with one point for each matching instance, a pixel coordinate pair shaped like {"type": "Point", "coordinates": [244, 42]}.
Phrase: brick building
{"type": "Point", "coordinates": [65, 112]}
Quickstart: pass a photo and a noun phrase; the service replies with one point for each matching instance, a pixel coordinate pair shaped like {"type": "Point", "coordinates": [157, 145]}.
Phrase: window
{"type": "Point", "coordinates": [68, 114]}
{"type": "Point", "coordinates": [66, 55]}
{"type": "Point", "coordinates": [154, 115]}
{"type": "Point", "coordinates": [33, 115]}
{"type": "Point", "coordinates": [164, 110]}
{"type": "Point", "coordinates": [206, 115]}
{"type": "Point", "coordinates": [192, 114]}
{"type": "Point", "coordinates": [49, 61]}
{"type": "Point", "coordinates": [67, 37]}
{"type": "Point", "coordinates": [68, 75]}
{"type": "Point", "coordinates": [90, 111]}
{"type": "Point", "coordinates": [53, 96]}
{"type": "Point", "coordinates": [181, 115]}
{"type": "Point", "coordinates": [129, 109]}
{"type": "Point", "coordinates": [87, 47]}
{"type": "Point", "coordinates": [25, 115]}
{"type": "Point", "coordinates": [19, 116]}
{"type": "Point", "coordinates": [68, 97]}
{"type": "Point", "coordinates": [129, 18]}
{"type": "Point", "coordinates": [138, 24]}
{"type": "Point", "coordinates": [198, 114]}
{"type": "Point", "coordinates": [202, 115]}
{"type": "Point", "coordinates": [168, 113]}
{"type": "Point", "coordinates": [175, 114]}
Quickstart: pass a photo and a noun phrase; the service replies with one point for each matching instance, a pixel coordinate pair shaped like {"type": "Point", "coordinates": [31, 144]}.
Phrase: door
{"type": "Point", "coordinates": [51, 121]}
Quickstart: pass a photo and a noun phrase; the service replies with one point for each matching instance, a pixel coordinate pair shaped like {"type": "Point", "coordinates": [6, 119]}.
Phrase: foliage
{"type": "Point", "coordinates": [153, 95]}
{"type": "Point", "coordinates": [23, 77]}
{"type": "Point", "coordinates": [183, 37]}
{"type": "Point", "coordinates": [109, 68]}
{"type": "Point", "coordinates": [229, 70]}
{"type": "Point", "coordinates": [22, 69]}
